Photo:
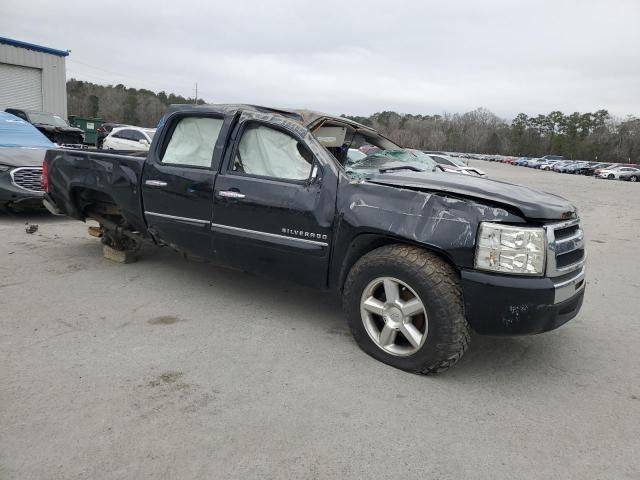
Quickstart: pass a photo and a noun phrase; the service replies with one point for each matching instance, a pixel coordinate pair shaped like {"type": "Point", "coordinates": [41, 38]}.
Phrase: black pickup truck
{"type": "Point", "coordinates": [419, 256]}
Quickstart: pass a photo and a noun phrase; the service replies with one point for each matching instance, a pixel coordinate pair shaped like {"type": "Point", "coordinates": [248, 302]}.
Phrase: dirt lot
{"type": "Point", "coordinates": [168, 368]}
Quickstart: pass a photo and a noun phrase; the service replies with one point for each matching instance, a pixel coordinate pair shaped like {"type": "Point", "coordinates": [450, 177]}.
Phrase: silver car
{"type": "Point", "coordinates": [453, 165]}
{"type": "Point", "coordinates": [616, 172]}
{"type": "Point", "coordinates": [630, 176]}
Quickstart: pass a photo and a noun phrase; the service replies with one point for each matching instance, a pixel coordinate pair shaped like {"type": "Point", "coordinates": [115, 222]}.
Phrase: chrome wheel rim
{"type": "Point", "coordinates": [394, 316]}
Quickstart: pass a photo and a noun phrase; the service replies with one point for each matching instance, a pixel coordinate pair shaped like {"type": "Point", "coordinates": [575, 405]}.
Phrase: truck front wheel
{"type": "Point", "coordinates": [404, 307]}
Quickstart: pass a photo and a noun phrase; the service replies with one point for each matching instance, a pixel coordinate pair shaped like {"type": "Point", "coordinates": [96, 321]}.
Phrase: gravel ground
{"type": "Point", "coordinates": [174, 369]}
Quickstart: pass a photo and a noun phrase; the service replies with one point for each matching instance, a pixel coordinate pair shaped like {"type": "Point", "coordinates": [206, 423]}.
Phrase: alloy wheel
{"type": "Point", "coordinates": [394, 316]}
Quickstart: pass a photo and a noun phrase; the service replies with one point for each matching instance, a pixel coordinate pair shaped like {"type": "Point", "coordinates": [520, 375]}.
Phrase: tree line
{"type": "Point", "coordinates": [119, 104]}
{"type": "Point", "coordinates": [585, 136]}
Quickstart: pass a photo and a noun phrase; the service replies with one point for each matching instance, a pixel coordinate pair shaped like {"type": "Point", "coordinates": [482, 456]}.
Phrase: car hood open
{"type": "Point", "coordinates": [533, 204]}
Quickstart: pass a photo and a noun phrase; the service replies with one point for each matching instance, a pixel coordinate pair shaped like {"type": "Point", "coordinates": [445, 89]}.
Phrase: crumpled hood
{"type": "Point", "coordinates": [22, 157]}
{"type": "Point", "coordinates": [533, 204]}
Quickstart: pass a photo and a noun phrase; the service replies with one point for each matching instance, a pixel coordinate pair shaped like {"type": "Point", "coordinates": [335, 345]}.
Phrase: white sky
{"type": "Point", "coordinates": [354, 57]}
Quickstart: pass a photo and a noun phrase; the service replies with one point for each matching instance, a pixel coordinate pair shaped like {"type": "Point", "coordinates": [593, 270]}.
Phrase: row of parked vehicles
{"type": "Point", "coordinates": [556, 163]}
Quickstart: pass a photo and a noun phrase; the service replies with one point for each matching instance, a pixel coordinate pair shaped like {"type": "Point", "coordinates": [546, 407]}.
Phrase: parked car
{"type": "Point", "coordinates": [548, 165]}
{"type": "Point", "coordinates": [534, 162]}
{"type": "Point", "coordinates": [454, 165]}
{"type": "Point", "coordinates": [129, 139]}
{"type": "Point", "coordinates": [563, 167]}
{"type": "Point", "coordinates": [419, 257]}
{"type": "Point", "coordinates": [22, 151]}
{"type": "Point", "coordinates": [538, 162]}
{"type": "Point", "coordinates": [54, 127]}
{"type": "Point", "coordinates": [105, 129]}
{"type": "Point", "coordinates": [576, 167]}
{"type": "Point", "coordinates": [630, 176]}
{"type": "Point", "coordinates": [592, 169]}
{"type": "Point", "coordinates": [615, 172]}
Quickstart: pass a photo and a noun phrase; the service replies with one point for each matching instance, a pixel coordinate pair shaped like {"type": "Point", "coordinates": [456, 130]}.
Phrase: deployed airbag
{"type": "Point", "coordinates": [271, 153]}
{"type": "Point", "coordinates": [193, 141]}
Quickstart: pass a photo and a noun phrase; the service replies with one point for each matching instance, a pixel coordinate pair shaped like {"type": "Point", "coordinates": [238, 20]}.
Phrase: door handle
{"type": "Point", "coordinates": [230, 194]}
{"type": "Point", "coordinates": [155, 183]}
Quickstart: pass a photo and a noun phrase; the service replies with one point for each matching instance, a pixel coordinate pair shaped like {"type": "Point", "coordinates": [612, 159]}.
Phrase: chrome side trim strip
{"type": "Point", "coordinates": [178, 219]}
{"type": "Point", "coordinates": [217, 226]}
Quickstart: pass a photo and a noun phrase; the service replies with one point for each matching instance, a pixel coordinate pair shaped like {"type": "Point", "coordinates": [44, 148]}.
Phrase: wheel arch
{"type": "Point", "coordinates": [364, 243]}
{"type": "Point", "coordinates": [87, 200]}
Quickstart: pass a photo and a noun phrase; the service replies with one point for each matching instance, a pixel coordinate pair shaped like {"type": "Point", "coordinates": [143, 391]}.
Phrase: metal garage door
{"type": "Point", "coordinates": [20, 87]}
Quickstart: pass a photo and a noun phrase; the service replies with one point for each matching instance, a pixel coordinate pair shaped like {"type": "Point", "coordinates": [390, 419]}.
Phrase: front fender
{"type": "Point", "coordinates": [433, 220]}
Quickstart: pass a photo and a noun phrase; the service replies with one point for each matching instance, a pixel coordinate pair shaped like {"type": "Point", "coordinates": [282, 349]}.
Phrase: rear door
{"type": "Point", "coordinates": [178, 180]}
{"type": "Point", "coordinates": [274, 203]}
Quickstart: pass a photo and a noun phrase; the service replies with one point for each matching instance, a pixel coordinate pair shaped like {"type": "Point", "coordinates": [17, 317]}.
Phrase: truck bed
{"type": "Point", "coordinates": [85, 181]}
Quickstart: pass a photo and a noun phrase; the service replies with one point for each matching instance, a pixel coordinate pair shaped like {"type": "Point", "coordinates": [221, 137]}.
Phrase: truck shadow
{"type": "Point", "coordinates": [320, 309]}
{"type": "Point", "coordinates": [319, 312]}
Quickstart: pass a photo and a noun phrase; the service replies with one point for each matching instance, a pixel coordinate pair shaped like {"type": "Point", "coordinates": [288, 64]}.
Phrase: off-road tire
{"type": "Point", "coordinates": [436, 283]}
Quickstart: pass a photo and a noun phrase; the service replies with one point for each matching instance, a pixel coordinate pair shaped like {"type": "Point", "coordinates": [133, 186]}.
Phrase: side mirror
{"type": "Point", "coordinates": [143, 141]}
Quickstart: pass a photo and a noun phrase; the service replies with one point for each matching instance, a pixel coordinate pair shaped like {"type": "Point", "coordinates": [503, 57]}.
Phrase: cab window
{"type": "Point", "coordinates": [192, 142]}
{"type": "Point", "coordinates": [267, 152]}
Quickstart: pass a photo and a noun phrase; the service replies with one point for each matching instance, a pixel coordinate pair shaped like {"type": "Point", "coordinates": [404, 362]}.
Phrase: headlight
{"type": "Point", "coordinates": [4, 168]}
{"type": "Point", "coordinates": [508, 249]}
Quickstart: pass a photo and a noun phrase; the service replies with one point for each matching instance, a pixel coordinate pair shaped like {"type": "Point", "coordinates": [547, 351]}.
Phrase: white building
{"type": "Point", "coordinates": [32, 77]}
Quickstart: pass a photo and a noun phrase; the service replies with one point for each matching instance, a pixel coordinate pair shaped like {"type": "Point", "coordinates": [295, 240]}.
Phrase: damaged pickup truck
{"type": "Point", "coordinates": [419, 256]}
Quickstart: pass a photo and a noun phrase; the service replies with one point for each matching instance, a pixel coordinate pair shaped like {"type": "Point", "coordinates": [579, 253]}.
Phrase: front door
{"type": "Point", "coordinates": [273, 207]}
{"type": "Point", "coordinates": [178, 180]}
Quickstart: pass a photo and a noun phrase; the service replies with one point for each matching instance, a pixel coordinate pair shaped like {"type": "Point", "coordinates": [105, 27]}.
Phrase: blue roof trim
{"type": "Point", "coordinates": [32, 46]}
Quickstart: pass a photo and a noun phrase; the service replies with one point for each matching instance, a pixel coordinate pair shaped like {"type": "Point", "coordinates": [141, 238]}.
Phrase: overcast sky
{"type": "Point", "coordinates": [354, 57]}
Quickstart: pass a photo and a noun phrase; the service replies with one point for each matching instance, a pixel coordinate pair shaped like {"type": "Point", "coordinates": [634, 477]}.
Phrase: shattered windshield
{"type": "Point", "coordinates": [384, 161]}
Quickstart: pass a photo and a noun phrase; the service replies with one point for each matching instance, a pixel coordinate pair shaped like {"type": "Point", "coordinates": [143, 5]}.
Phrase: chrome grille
{"type": "Point", "coordinates": [566, 258]}
{"type": "Point", "coordinates": [565, 243]}
{"type": "Point", "coordinates": [29, 178]}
